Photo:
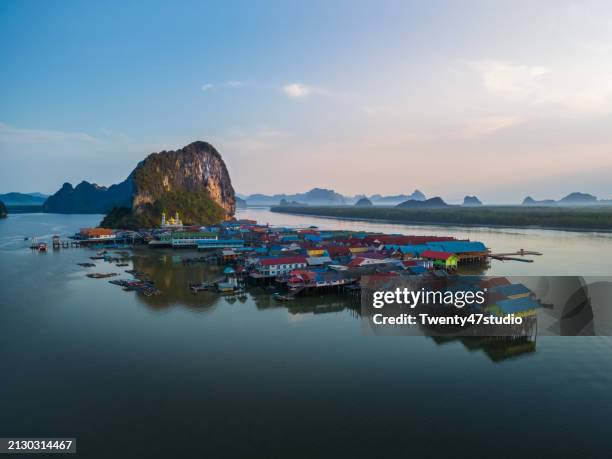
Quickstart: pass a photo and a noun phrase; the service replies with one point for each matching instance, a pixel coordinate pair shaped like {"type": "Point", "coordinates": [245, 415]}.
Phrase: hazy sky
{"type": "Point", "coordinates": [498, 99]}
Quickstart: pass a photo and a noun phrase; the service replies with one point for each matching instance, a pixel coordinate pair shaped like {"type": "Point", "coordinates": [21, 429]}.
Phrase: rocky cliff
{"type": "Point", "coordinates": [193, 181]}
{"type": "Point", "coordinates": [3, 211]}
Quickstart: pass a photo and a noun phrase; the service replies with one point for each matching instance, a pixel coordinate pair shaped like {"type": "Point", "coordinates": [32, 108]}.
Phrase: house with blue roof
{"type": "Point", "coordinates": [466, 251]}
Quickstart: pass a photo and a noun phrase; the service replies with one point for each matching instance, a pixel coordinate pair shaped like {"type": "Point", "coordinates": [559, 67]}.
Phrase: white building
{"type": "Point", "coordinates": [278, 266]}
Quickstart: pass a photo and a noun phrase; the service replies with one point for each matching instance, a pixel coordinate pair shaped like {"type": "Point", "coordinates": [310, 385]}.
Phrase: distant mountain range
{"type": "Point", "coordinates": [322, 196]}
{"type": "Point", "coordinates": [23, 199]}
{"type": "Point", "coordinates": [416, 195]}
{"type": "Point", "coordinates": [89, 198]}
{"type": "Point", "coordinates": [326, 197]}
{"type": "Point", "coordinates": [316, 196]}
{"type": "Point", "coordinates": [572, 199]}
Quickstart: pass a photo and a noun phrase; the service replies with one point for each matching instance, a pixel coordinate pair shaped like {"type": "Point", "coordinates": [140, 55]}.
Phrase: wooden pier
{"type": "Point", "coordinates": [513, 256]}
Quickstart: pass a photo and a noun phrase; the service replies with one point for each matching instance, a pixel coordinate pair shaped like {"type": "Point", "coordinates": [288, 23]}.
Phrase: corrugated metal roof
{"type": "Point", "coordinates": [458, 246]}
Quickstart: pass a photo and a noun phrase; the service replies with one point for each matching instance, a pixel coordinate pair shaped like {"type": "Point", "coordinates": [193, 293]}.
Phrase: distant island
{"type": "Point", "coordinates": [3, 210]}
{"type": "Point", "coordinates": [329, 197]}
{"type": "Point", "coordinates": [23, 199]}
{"type": "Point", "coordinates": [364, 202]}
{"type": "Point", "coordinates": [425, 204]}
{"type": "Point", "coordinates": [572, 199]}
{"type": "Point", "coordinates": [471, 201]}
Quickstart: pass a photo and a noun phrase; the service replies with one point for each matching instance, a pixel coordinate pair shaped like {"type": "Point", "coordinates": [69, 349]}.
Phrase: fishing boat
{"type": "Point", "coordinates": [202, 286]}
{"type": "Point", "coordinates": [279, 297]}
{"type": "Point", "coordinates": [100, 275]}
{"type": "Point", "coordinates": [42, 247]}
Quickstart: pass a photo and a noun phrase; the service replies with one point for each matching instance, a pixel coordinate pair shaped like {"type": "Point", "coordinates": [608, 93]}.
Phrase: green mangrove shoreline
{"type": "Point", "coordinates": [580, 219]}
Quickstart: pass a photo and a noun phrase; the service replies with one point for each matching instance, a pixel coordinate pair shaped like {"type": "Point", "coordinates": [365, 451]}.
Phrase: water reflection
{"type": "Point", "coordinates": [170, 275]}
{"type": "Point", "coordinates": [496, 348]}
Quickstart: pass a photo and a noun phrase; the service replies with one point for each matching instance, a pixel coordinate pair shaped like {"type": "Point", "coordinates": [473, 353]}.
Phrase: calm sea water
{"type": "Point", "coordinates": [181, 375]}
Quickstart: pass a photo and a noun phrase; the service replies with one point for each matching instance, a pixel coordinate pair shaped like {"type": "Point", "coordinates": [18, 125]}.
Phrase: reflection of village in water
{"type": "Point", "coordinates": [173, 275]}
{"type": "Point", "coordinates": [168, 271]}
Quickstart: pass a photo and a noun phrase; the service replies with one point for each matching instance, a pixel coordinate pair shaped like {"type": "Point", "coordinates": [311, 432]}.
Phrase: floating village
{"type": "Point", "coordinates": [293, 262]}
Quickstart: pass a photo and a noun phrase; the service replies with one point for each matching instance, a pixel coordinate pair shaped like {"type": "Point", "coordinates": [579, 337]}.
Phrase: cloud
{"type": "Point", "coordinates": [510, 79]}
{"type": "Point", "coordinates": [488, 125]}
{"type": "Point", "coordinates": [226, 84]}
{"type": "Point", "coordinates": [15, 135]}
{"type": "Point", "coordinates": [296, 90]}
{"type": "Point", "coordinates": [300, 90]}
{"type": "Point", "coordinates": [577, 89]}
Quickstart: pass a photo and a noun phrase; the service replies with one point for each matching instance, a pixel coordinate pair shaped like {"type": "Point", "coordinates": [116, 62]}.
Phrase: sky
{"type": "Point", "coordinates": [496, 99]}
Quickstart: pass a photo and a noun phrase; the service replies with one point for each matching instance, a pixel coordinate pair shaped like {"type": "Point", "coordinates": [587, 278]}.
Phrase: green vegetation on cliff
{"type": "Point", "coordinates": [583, 218]}
{"type": "Point", "coordinates": [194, 207]}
